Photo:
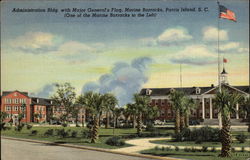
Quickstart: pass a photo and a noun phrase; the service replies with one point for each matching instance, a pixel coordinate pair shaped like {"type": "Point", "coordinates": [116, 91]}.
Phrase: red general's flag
{"type": "Point", "coordinates": [226, 13]}
{"type": "Point", "coordinates": [224, 60]}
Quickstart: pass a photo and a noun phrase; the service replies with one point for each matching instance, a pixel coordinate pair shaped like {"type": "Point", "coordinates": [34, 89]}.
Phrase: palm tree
{"type": "Point", "coordinates": [117, 112]}
{"type": "Point", "coordinates": [142, 105]}
{"type": "Point", "coordinates": [189, 104]}
{"type": "Point", "coordinates": [96, 103]}
{"type": "Point", "coordinates": [246, 110]}
{"type": "Point", "coordinates": [131, 110]}
{"type": "Point", "coordinates": [110, 102]}
{"type": "Point", "coordinates": [226, 102]}
{"type": "Point", "coordinates": [177, 101]}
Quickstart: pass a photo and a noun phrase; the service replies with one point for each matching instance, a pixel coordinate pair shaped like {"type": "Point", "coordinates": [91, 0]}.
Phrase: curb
{"type": "Point", "coordinates": [92, 149]}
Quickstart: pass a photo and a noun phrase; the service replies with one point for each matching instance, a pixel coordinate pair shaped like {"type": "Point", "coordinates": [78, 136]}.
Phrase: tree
{"type": "Point", "coordinates": [246, 110]}
{"type": "Point", "coordinates": [226, 103]}
{"type": "Point", "coordinates": [75, 111]}
{"type": "Point", "coordinates": [131, 111]}
{"type": "Point", "coordinates": [189, 104]}
{"type": "Point", "coordinates": [110, 102]}
{"type": "Point", "coordinates": [177, 101]}
{"type": "Point", "coordinates": [117, 112]}
{"type": "Point", "coordinates": [143, 108]}
{"type": "Point", "coordinates": [95, 103]}
{"type": "Point", "coordinates": [65, 97]}
{"type": "Point", "coordinates": [3, 116]}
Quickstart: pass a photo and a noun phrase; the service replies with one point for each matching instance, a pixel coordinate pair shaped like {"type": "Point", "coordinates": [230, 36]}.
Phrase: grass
{"type": "Point", "coordinates": [207, 144]}
{"type": "Point", "coordinates": [196, 155]}
{"type": "Point", "coordinates": [104, 134]}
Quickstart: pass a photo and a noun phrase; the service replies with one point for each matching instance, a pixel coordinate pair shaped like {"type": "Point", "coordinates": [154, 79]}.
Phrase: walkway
{"type": "Point", "coordinates": [144, 143]}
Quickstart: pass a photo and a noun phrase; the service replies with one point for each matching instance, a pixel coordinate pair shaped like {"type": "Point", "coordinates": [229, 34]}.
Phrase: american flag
{"type": "Point", "coordinates": [226, 13]}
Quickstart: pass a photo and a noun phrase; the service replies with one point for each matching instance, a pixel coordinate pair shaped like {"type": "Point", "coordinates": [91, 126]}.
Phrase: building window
{"type": "Point", "coordinates": [24, 115]}
{"type": "Point", "coordinates": [162, 102]}
{"type": "Point", "coordinates": [15, 101]}
{"type": "Point", "coordinates": [198, 90]}
{"type": "Point", "coordinates": [15, 108]}
{"type": "Point", "coordinates": [23, 101]}
{"type": "Point", "coordinates": [7, 101]}
{"type": "Point", "coordinates": [8, 115]}
{"type": "Point", "coordinates": [7, 108]}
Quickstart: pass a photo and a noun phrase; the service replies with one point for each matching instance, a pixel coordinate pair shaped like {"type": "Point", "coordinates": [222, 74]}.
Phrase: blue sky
{"type": "Point", "coordinates": [40, 49]}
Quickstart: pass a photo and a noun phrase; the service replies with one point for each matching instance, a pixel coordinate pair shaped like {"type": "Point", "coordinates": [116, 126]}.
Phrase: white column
{"type": "Point", "coordinates": [237, 111]}
{"type": "Point", "coordinates": [211, 108]}
{"type": "Point", "coordinates": [203, 108]}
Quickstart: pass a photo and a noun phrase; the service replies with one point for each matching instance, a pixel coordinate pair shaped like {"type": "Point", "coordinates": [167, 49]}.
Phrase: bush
{"type": "Point", "coordinates": [178, 137]}
{"type": "Point", "coordinates": [62, 133]}
{"type": "Point", "coordinates": [115, 141]}
{"type": "Point", "coordinates": [186, 149]}
{"type": "Point", "coordinates": [74, 134]}
{"type": "Point", "coordinates": [242, 149]}
{"type": "Point", "coordinates": [34, 132]}
{"type": "Point", "coordinates": [233, 149]}
{"type": "Point", "coordinates": [29, 126]}
{"type": "Point", "coordinates": [19, 127]}
{"type": "Point", "coordinates": [150, 127]}
{"type": "Point", "coordinates": [49, 132]}
{"type": "Point", "coordinates": [86, 133]}
{"type": "Point", "coordinates": [156, 147]}
{"type": "Point", "coordinates": [199, 140]}
{"type": "Point", "coordinates": [64, 124]}
{"type": "Point", "coordinates": [204, 149]}
{"type": "Point", "coordinates": [177, 148]}
{"type": "Point", "coordinates": [214, 150]}
{"type": "Point", "coordinates": [241, 138]}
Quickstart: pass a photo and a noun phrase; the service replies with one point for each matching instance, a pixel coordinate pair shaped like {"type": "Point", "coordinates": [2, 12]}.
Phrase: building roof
{"type": "Point", "coordinates": [5, 93]}
{"type": "Point", "coordinates": [40, 101]}
{"type": "Point", "coordinates": [186, 90]}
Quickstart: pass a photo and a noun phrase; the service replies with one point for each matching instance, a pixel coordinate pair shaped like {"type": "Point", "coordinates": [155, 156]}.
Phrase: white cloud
{"type": "Point", "coordinates": [35, 41]}
{"type": "Point", "coordinates": [211, 34]}
{"type": "Point", "coordinates": [243, 50]}
{"type": "Point", "coordinates": [74, 47]}
{"type": "Point", "coordinates": [195, 55]}
{"type": "Point", "coordinates": [174, 35]}
{"type": "Point", "coordinates": [229, 46]}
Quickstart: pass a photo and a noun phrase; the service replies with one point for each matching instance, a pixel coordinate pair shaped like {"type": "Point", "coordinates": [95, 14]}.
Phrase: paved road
{"type": "Point", "coordinates": [18, 150]}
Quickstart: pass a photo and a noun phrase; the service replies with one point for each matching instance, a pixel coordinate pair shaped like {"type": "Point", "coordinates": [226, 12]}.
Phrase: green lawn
{"type": "Point", "coordinates": [207, 144]}
{"type": "Point", "coordinates": [104, 134]}
{"type": "Point", "coordinates": [197, 155]}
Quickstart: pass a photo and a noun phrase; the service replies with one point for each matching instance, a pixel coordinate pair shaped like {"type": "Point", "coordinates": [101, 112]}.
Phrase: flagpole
{"type": "Point", "coordinates": [219, 82]}
{"type": "Point", "coordinates": [218, 47]}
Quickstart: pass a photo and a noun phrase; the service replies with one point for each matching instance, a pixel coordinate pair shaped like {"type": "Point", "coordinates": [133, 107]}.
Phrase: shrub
{"type": "Point", "coordinates": [34, 132]}
{"type": "Point", "coordinates": [156, 147]}
{"type": "Point", "coordinates": [186, 149]}
{"type": "Point", "coordinates": [74, 134]}
{"type": "Point", "coordinates": [28, 126]}
{"type": "Point", "coordinates": [19, 127]}
{"type": "Point", "coordinates": [233, 149]}
{"type": "Point", "coordinates": [241, 138]}
{"type": "Point", "coordinates": [242, 149]}
{"type": "Point", "coordinates": [162, 148]}
{"type": "Point", "coordinates": [64, 124]}
{"type": "Point", "coordinates": [199, 140]}
{"type": "Point", "coordinates": [214, 150]}
{"type": "Point", "coordinates": [193, 149]}
{"type": "Point", "coordinates": [77, 125]}
{"type": "Point", "coordinates": [115, 141]}
{"type": "Point", "coordinates": [168, 149]}
{"type": "Point", "coordinates": [150, 127]}
{"type": "Point", "coordinates": [204, 149]}
{"type": "Point", "coordinates": [62, 133]}
{"type": "Point", "coordinates": [49, 132]}
{"type": "Point", "coordinates": [178, 137]}
{"type": "Point", "coordinates": [177, 148]}
{"type": "Point", "coordinates": [86, 133]}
